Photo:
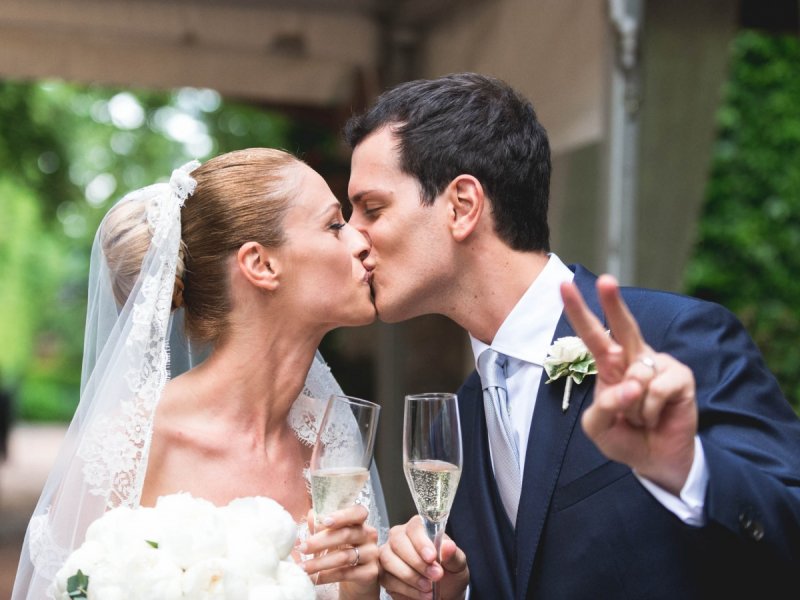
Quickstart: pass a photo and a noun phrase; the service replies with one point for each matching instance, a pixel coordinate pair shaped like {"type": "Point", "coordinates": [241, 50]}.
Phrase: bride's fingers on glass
{"type": "Point", "coordinates": [349, 562]}
{"type": "Point", "coordinates": [311, 519]}
{"type": "Point", "coordinates": [345, 536]}
{"type": "Point", "coordinates": [334, 558]}
{"type": "Point", "coordinates": [347, 517]}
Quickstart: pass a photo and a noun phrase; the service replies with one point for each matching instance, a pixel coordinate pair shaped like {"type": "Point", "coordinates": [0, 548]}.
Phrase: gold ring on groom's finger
{"type": "Point", "coordinates": [356, 558]}
{"type": "Point", "coordinates": [648, 361]}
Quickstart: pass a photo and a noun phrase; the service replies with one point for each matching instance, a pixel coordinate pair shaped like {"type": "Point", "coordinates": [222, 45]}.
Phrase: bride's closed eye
{"type": "Point", "coordinates": [337, 226]}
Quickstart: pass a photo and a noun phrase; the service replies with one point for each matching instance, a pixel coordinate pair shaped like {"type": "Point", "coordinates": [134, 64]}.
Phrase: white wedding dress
{"type": "Point", "coordinates": [129, 355]}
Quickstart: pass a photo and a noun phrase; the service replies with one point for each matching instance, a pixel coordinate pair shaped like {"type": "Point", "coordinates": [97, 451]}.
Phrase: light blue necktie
{"type": "Point", "coordinates": [505, 454]}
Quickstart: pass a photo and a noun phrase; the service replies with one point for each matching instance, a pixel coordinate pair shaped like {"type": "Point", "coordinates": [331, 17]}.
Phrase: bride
{"type": "Point", "coordinates": [245, 262]}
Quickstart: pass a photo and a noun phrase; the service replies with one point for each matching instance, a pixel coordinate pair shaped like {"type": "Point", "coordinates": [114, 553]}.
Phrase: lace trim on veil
{"type": "Point", "coordinates": [116, 448]}
{"type": "Point", "coordinates": [113, 448]}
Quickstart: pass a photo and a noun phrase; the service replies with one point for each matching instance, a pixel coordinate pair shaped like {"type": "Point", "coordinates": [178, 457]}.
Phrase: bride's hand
{"type": "Point", "coordinates": [352, 553]}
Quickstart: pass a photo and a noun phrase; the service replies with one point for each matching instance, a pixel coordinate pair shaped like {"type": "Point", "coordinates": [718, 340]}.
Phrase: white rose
{"type": "Point", "coordinates": [263, 520]}
{"type": "Point", "coordinates": [149, 569]}
{"type": "Point", "coordinates": [190, 529]}
{"type": "Point", "coordinates": [208, 580]}
{"type": "Point", "coordinates": [266, 587]}
{"type": "Point", "coordinates": [295, 582]}
{"type": "Point", "coordinates": [90, 557]}
{"type": "Point", "coordinates": [567, 350]}
{"type": "Point", "coordinates": [103, 590]}
{"type": "Point", "coordinates": [107, 581]}
{"type": "Point", "coordinates": [252, 555]}
{"type": "Point", "coordinates": [117, 530]}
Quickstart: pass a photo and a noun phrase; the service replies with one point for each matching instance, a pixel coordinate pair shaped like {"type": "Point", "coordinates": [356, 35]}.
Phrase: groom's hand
{"type": "Point", "coordinates": [408, 561]}
{"type": "Point", "coordinates": [644, 412]}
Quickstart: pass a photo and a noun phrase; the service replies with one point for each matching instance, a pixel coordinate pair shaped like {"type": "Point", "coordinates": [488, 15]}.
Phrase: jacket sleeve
{"type": "Point", "coordinates": [750, 433]}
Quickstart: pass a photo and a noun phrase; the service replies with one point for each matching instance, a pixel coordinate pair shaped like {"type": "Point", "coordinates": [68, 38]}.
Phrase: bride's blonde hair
{"type": "Point", "coordinates": [240, 196]}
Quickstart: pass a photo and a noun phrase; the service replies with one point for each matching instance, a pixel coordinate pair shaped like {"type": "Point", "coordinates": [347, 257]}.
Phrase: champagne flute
{"type": "Point", "coordinates": [432, 460]}
{"type": "Point", "coordinates": [342, 454]}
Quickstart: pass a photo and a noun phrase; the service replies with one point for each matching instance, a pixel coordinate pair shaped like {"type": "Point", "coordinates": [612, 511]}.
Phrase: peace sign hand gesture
{"type": "Point", "coordinates": [644, 412]}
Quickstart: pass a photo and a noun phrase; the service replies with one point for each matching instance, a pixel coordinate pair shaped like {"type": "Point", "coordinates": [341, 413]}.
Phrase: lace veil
{"type": "Point", "coordinates": [129, 355]}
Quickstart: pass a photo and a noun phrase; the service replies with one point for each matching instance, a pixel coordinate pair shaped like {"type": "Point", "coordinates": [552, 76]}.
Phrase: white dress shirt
{"type": "Point", "coordinates": [525, 337]}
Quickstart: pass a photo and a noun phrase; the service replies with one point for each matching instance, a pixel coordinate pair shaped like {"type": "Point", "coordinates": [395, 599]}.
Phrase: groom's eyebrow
{"type": "Point", "coordinates": [359, 196]}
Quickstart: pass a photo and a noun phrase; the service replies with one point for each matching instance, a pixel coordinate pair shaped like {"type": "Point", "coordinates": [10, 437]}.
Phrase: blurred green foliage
{"type": "Point", "coordinates": [748, 249]}
{"type": "Point", "coordinates": [67, 152]}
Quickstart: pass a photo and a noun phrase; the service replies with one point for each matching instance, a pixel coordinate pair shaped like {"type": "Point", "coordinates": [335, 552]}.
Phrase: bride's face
{"type": "Point", "coordinates": [327, 277]}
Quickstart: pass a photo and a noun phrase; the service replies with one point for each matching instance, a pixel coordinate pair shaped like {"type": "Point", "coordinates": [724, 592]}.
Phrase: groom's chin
{"type": "Point", "coordinates": [390, 314]}
{"type": "Point", "coordinates": [393, 308]}
{"type": "Point", "coordinates": [383, 313]}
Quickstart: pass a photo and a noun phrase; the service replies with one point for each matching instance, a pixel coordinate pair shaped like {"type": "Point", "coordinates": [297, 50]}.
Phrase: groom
{"type": "Point", "coordinates": [653, 480]}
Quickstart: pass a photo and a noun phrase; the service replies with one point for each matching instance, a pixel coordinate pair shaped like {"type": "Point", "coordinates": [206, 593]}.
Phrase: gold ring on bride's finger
{"type": "Point", "coordinates": [356, 558]}
{"type": "Point", "coordinates": [648, 361]}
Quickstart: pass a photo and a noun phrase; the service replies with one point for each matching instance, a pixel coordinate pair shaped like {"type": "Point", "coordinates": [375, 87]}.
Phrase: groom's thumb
{"type": "Point", "coordinates": [453, 558]}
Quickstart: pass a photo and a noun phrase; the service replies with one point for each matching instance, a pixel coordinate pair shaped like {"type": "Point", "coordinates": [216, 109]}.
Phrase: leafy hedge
{"type": "Point", "coordinates": [748, 250]}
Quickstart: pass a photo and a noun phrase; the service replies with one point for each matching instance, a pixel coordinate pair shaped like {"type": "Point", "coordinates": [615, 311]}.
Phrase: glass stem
{"type": "Point", "coordinates": [435, 531]}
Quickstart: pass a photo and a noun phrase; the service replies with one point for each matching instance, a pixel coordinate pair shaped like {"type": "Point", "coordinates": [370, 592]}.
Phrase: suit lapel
{"type": "Point", "coordinates": [547, 444]}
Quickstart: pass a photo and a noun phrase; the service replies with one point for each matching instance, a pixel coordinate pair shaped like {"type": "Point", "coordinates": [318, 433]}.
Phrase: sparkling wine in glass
{"type": "Point", "coordinates": [342, 454]}
{"type": "Point", "coordinates": [432, 460]}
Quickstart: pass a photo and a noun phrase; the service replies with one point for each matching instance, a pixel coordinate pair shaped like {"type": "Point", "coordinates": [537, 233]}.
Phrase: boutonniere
{"type": "Point", "coordinates": [569, 357]}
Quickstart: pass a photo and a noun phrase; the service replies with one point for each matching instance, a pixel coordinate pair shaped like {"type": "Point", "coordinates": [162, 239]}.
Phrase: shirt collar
{"type": "Point", "coordinates": [528, 329]}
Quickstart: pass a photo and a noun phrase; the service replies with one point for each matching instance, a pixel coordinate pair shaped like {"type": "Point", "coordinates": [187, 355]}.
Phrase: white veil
{"type": "Point", "coordinates": [129, 355]}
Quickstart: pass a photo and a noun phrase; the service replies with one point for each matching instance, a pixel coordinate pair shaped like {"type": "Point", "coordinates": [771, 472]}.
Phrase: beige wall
{"type": "Point", "coordinates": [553, 51]}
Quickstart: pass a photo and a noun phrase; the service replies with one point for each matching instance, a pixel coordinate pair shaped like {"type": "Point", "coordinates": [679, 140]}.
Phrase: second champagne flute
{"type": "Point", "coordinates": [432, 460]}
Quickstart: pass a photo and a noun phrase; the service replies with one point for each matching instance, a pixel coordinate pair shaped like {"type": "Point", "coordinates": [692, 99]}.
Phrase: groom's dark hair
{"type": "Point", "coordinates": [472, 124]}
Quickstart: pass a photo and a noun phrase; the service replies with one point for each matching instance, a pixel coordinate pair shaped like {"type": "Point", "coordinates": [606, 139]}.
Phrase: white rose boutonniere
{"type": "Point", "coordinates": [187, 548]}
{"type": "Point", "coordinates": [569, 357]}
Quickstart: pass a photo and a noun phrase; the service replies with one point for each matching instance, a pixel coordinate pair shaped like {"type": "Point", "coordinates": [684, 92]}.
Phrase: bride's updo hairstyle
{"type": "Point", "coordinates": [125, 238]}
{"type": "Point", "coordinates": [240, 196]}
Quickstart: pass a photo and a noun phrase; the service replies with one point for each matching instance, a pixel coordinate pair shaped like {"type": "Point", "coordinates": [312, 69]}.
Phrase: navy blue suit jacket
{"type": "Point", "coordinates": [587, 528]}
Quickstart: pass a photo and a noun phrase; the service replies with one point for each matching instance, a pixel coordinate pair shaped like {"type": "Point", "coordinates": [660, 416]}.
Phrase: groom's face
{"type": "Point", "coordinates": [411, 245]}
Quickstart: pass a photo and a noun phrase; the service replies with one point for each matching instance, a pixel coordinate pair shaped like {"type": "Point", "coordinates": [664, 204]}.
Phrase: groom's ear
{"type": "Point", "coordinates": [466, 202]}
{"type": "Point", "coordinates": [258, 265]}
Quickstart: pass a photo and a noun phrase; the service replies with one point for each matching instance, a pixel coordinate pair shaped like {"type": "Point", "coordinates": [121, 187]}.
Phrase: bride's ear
{"type": "Point", "coordinates": [259, 266]}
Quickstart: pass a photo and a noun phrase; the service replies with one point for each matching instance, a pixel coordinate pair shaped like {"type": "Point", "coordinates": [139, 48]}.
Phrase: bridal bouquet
{"type": "Point", "coordinates": [185, 547]}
